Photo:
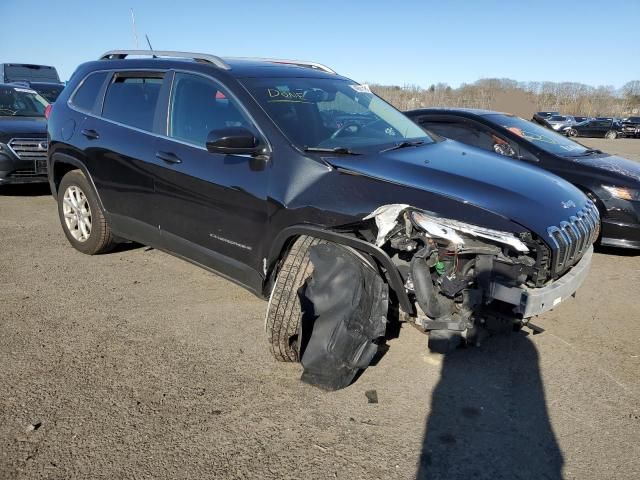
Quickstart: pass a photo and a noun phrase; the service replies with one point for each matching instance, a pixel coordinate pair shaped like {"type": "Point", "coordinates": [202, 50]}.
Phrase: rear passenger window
{"type": "Point", "coordinates": [131, 100]}
{"type": "Point", "coordinates": [198, 106]}
{"type": "Point", "coordinates": [85, 97]}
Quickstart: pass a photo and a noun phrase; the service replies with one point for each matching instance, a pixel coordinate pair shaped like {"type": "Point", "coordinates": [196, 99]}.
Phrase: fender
{"type": "Point", "coordinates": [70, 160]}
{"type": "Point", "coordinates": [390, 270]}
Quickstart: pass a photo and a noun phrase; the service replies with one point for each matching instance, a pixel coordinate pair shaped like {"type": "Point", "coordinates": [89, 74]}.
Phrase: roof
{"type": "Point", "coordinates": [468, 111]}
{"type": "Point", "coordinates": [237, 67]}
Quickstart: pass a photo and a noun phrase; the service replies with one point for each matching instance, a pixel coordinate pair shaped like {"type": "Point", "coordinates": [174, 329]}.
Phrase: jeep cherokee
{"type": "Point", "coordinates": [308, 189]}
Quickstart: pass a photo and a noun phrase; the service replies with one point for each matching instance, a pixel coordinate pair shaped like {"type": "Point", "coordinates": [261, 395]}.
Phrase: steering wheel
{"type": "Point", "coordinates": [353, 123]}
{"type": "Point", "coordinates": [344, 128]}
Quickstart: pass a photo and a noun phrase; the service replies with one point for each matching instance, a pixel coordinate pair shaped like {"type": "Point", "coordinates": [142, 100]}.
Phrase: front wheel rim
{"type": "Point", "coordinates": [77, 213]}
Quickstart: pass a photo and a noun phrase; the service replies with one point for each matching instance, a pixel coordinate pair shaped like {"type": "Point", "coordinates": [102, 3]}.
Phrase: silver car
{"type": "Point", "coordinates": [560, 122]}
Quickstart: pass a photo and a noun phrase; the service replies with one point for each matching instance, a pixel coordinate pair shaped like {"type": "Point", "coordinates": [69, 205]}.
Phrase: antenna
{"type": "Point", "coordinates": [149, 43]}
{"type": "Point", "coordinates": [133, 24]}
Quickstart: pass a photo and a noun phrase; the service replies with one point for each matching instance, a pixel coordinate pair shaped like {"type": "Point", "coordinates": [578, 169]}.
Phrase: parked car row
{"type": "Point", "coordinates": [312, 192]}
{"type": "Point", "coordinates": [577, 126]}
{"type": "Point", "coordinates": [41, 78]}
{"type": "Point", "coordinates": [611, 182]}
{"type": "Point", "coordinates": [26, 93]}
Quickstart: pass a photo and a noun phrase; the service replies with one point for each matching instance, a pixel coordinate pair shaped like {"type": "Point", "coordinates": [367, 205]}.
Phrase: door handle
{"type": "Point", "coordinates": [168, 157]}
{"type": "Point", "coordinates": [90, 134]}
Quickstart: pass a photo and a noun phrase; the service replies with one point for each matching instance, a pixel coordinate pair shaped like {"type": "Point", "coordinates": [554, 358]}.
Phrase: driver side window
{"type": "Point", "coordinates": [200, 105]}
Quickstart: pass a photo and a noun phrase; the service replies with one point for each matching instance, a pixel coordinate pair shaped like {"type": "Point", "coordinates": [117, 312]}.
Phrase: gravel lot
{"type": "Point", "coordinates": [138, 365]}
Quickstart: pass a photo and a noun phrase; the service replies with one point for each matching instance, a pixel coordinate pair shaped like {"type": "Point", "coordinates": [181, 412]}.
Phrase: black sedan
{"type": "Point", "coordinates": [612, 182]}
{"type": "Point", "coordinates": [594, 128]}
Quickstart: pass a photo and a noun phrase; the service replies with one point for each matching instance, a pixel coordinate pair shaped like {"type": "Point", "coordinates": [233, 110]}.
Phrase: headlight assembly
{"type": "Point", "coordinates": [623, 193]}
{"type": "Point", "coordinates": [452, 229]}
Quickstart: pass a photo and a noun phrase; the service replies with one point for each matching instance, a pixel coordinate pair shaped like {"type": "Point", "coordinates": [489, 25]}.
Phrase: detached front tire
{"type": "Point", "coordinates": [284, 311]}
{"type": "Point", "coordinates": [81, 216]}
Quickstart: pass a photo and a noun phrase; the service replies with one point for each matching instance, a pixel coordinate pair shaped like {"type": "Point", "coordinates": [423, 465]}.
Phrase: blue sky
{"type": "Point", "coordinates": [410, 42]}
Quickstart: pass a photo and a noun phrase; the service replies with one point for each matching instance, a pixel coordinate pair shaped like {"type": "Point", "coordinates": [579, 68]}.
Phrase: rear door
{"type": "Point", "coordinates": [214, 206]}
{"type": "Point", "coordinates": [121, 146]}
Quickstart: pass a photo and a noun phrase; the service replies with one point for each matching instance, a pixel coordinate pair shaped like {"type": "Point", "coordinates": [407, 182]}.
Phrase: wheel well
{"type": "Point", "coordinates": [285, 239]}
{"type": "Point", "coordinates": [60, 169]}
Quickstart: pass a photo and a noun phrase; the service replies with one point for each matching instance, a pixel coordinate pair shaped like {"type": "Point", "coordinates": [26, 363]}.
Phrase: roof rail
{"type": "Point", "coordinates": [299, 63]}
{"type": "Point", "coordinates": [198, 57]}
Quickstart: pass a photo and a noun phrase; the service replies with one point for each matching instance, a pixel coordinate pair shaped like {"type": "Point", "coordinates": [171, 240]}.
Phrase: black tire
{"type": "Point", "coordinates": [611, 135]}
{"type": "Point", "coordinates": [284, 310]}
{"type": "Point", "coordinates": [572, 133]}
{"type": "Point", "coordinates": [100, 238]}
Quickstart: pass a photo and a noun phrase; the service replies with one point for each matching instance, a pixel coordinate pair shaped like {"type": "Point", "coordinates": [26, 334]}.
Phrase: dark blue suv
{"type": "Point", "coordinates": [247, 166]}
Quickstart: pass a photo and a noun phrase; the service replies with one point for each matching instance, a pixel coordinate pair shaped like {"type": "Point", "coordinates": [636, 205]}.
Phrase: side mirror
{"type": "Point", "coordinates": [232, 141]}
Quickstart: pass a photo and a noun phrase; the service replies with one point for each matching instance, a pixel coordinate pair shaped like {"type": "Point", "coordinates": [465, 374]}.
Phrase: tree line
{"type": "Point", "coordinates": [520, 98]}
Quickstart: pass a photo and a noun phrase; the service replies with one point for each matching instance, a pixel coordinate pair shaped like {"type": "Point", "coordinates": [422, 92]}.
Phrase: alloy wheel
{"type": "Point", "coordinates": [77, 213]}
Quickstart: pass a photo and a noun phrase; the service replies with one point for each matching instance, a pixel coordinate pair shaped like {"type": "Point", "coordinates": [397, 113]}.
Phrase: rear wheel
{"type": "Point", "coordinates": [572, 132]}
{"type": "Point", "coordinates": [611, 135]}
{"type": "Point", "coordinates": [82, 219]}
{"type": "Point", "coordinates": [284, 310]}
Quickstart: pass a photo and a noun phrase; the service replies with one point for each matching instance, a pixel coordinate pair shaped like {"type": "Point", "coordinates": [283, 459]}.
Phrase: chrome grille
{"type": "Point", "coordinates": [573, 237]}
{"type": "Point", "coordinates": [29, 148]}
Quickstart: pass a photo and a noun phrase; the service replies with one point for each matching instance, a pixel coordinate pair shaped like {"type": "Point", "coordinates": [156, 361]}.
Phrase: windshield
{"type": "Point", "coordinates": [332, 113]}
{"type": "Point", "coordinates": [541, 137]}
{"type": "Point", "coordinates": [21, 102]}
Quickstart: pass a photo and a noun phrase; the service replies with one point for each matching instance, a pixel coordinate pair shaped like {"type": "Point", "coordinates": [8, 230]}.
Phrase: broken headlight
{"type": "Point", "coordinates": [453, 230]}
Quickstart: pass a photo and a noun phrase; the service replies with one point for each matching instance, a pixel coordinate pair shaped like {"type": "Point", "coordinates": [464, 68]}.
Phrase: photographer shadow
{"type": "Point", "coordinates": [489, 418]}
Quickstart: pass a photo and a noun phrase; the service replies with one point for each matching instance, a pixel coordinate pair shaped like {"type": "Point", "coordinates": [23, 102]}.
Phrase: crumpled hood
{"type": "Point", "coordinates": [22, 126]}
{"type": "Point", "coordinates": [625, 168]}
{"type": "Point", "coordinates": [524, 194]}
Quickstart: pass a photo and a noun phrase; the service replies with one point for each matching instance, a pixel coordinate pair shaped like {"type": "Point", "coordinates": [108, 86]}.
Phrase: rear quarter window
{"type": "Point", "coordinates": [86, 96]}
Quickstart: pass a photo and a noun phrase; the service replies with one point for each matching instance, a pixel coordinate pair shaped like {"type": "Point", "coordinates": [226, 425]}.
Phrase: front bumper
{"type": "Point", "coordinates": [621, 224]}
{"type": "Point", "coordinates": [14, 170]}
{"type": "Point", "coordinates": [535, 301]}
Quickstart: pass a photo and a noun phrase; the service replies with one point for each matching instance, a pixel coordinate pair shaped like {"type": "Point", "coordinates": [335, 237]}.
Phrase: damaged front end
{"type": "Point", "coordinates": [457, 281]}
{"type": "Point", "coordinates": [467, 280]}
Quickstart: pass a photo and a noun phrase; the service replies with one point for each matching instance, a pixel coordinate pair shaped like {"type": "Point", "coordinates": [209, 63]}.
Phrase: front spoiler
{"type": "Point", "coordinates": [535, 301]}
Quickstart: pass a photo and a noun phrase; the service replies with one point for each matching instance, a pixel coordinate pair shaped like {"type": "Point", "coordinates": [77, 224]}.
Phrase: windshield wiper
{"type": "Point", "coordinates": [337, 150]}
{"type": "Point", "coordinates": [404, 144]}
{"type": "Point", "coordinates": [589, 151]}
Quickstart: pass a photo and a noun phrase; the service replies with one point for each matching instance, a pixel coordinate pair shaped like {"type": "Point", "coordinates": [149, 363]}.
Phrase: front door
{"type": "Point", "coordinates": [214, 206]}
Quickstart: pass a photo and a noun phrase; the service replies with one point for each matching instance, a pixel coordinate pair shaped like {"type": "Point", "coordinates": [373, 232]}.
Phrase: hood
{"type": "Point", "coordinates": [11, 127]}
{"type": "Point", "coordinates": [628, 171]}
{"type": "Point", "coordinates": [521, 193]}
